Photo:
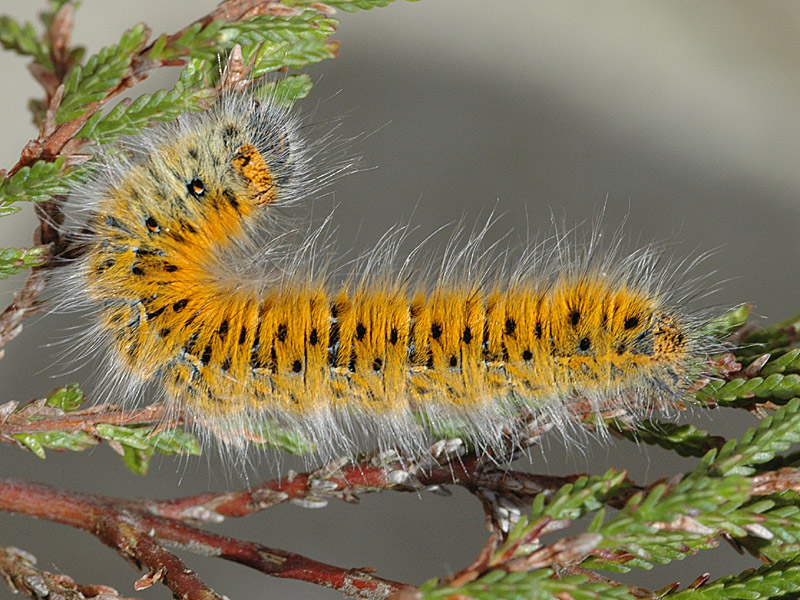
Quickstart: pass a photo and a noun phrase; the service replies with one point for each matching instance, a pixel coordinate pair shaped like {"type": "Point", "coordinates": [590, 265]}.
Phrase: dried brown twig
{"type": "Point", "coordinates": [19, 570]}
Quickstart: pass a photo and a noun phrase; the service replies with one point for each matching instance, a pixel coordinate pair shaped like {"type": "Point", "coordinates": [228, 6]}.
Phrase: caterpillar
{"type": "Point", "coordinates": [194, 291]}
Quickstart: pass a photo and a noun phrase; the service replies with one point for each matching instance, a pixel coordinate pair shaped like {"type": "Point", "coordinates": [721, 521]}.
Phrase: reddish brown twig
{"type": "Point", "coordinates": [344, 479]}
{"type": "Point", "coordinates": [138, 536]}
{"type": "Point", "coordinates": [113, 526]}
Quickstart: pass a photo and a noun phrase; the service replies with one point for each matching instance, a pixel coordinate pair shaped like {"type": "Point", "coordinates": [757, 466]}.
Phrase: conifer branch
{"type": "Point", "coordinates": [743, 492]}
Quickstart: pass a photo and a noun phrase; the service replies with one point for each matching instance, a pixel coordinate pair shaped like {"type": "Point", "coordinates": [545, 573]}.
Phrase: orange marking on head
{"type": "Point", "coordinates": [249, 162]}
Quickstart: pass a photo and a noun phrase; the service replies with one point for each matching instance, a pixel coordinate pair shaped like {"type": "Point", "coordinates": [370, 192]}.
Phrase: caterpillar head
{"type": "Point", "coordinates": [264, 152]}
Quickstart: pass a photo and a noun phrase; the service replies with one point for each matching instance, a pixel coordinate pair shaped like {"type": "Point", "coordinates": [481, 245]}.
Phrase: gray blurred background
{"type": "Point", "coordinates": [682, 117]}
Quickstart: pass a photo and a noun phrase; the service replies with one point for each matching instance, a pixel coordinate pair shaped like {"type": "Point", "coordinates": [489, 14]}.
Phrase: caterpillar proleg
{"type": "Point", "coordinates": [185, 297]}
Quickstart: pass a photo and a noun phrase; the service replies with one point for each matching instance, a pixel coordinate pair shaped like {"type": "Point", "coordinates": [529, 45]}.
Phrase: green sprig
{"type": "Point", "coordinates": [280, 438]}
{"type": "Point", "coordinates": [286, 91]}
{"type": "Point", "coordinates": [535, 585]}
{"type": "Point", "coordinates": [776, 387]}
{"type": "Point", "coordinates": [218, 37]}
{"type": "Point", "coordinates": [727, 323]}
{"type": "Point", "coordinates": [104, 71]}
{"type": "Point", "coordinates": [127, 118]}
{"type": "Point", "coordinates": [635, 535]}
{"type": "Point", "coordinates": [350, 6]}
{"type": "Point", "coordinates": [780, 579]}
{"type": "Point", "coordinates": [23, 39]}
{"type": "Point", "coordinates": [13, 260]}
{"type": "Point", "coordinates": [75, 441]}
{"type": "Point", "coordinates": [570, 502]}
{"type": "Point", "coordinates": [760, 444]}
{"type": "Point", "coordinates": [786, 363]}
{"type": "Point", "coordinates": [685, 440]}
{"type": "Point", "coordinates": [140, 442]}
{"type": "Point", "coordinates": [36, 183]}
{"type": "Point", "coordinates": [68, 398]}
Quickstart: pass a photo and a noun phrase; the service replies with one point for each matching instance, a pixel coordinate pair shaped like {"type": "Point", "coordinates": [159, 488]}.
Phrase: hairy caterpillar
{"type": "Point", "coordinates": [185, 297]}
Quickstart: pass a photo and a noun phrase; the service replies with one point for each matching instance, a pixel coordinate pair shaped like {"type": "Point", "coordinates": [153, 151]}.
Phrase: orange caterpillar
{"type": "Point", "coordinates": [183, 297]}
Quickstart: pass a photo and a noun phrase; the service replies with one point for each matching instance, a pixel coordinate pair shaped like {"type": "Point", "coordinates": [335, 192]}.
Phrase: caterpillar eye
{"type": "Point", "coordinates": [196, 187]}
{"type": "Point", "coordinates": [152, 225]}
